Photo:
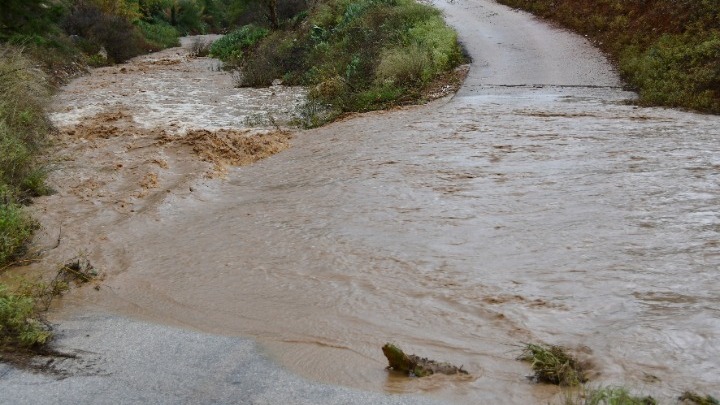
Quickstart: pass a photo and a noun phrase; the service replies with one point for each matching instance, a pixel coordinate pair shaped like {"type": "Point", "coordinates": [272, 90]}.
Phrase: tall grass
{"type": "Point", "coordinates": [23, 128]}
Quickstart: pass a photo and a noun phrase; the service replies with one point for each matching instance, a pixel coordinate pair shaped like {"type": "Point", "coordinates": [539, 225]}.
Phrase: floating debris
{"type": "Point", "coordinates": [416, 366]}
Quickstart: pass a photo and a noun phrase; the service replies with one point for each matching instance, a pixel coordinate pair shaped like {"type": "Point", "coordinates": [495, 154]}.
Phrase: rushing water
{"type": "Point", "coordinates": [535, 205]}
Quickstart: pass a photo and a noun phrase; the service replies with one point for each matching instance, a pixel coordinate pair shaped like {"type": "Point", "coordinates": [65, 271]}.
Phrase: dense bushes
{"type": "Point", "coordinates": [95, 29]}
{"type": "Point", "coordinates": [669, 50]}
{"type": "Point", "coordinates": [356, 55]}
{"type": "Point", "coordinates": [231, 47]}
{"type": "Point", "coordinates": [159, 35]}
{"type": "Point", "coordinates": [19, 324]}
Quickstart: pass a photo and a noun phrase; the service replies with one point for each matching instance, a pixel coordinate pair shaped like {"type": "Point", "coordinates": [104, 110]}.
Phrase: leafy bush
{"type": "Point", "coordinates": [231, 47]}
{"type": "Point", "coordinates": [16, 228]}
{"type": "Point", "coordinates": [280, 56]}
{"type": "Point", "coordinates": [97, 29]}
{"type": "Point", "coordinates": [159, 35]}
{"type": "Point", "coordinates": [678, 71]}
{"type": "Point", "coordinates": [19, 325]}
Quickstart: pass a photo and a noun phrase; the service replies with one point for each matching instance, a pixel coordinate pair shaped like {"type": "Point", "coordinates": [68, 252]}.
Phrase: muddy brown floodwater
{"type": "Point", "coordinates": [535, 205]}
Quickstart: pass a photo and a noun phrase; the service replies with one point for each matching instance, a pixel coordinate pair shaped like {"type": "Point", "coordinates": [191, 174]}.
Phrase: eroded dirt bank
{"type": "Point", "coordinates": [536, 205]}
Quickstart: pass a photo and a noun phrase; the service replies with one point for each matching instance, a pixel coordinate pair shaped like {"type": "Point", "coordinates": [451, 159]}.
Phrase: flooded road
{"type": "Point", "coordinates": [535, 205]}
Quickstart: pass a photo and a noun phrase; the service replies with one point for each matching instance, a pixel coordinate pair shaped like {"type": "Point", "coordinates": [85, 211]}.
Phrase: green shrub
{"type": "Point", "coordinates": [553, 365]}
{"type": "Point", "coordinates": [19, 325]}
{"type": "Point", "coordinates": [279, 56]}
{"type": "Point", "coordinates": [16, 228]}
{"type": "Point", "coordinates": [159, 35]}
{"type": "Point", "coordinates": [231, 47]}
{"type": "Point", "coordinates": [357, 55]}
{"type": "Point", "coordinates": [98, 29]}
{"type": "Point", "coordinates": [678, 71]}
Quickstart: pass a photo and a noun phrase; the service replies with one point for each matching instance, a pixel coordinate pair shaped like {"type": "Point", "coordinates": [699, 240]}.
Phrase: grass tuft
{"type": "Point", "coordinates": [614, 396]}
{"type": "Point", "coordinates": [19, 322]}
{"type": "Point", "coordinates": [553, 365]}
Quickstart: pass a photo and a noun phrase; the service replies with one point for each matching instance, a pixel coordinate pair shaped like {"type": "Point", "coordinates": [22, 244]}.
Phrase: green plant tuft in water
{"type": "Point", "coordinates": [615, 396]}
{"type": "Point", "coordinates": [551, 364]}
{"type": "Point", "coordinates": [19, 322]}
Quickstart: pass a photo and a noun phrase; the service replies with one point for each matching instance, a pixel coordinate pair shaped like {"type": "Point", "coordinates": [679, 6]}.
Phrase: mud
{"type": "Point", "coordinates": [537, 205]}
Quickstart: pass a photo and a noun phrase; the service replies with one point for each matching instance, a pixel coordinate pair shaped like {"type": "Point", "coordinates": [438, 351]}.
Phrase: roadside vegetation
{"type": "Point", "coordinates": [22, 327]}
{"type": "Point", "coordinates": [355, 55]}
{"type": "Point", "coordinates": [667, 50]}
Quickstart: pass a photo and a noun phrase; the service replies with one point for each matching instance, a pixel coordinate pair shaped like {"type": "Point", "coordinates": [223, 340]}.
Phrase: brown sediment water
{"type": "Point", "coordinates": [534, 205]}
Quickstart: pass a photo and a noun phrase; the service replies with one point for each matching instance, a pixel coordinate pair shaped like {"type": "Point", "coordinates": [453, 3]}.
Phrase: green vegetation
{"type": "Point", "coordinates": [668, 50]}
{"type": "Point", "coordinates": [232, 47]}
{"type": "Point", "coordinates": [21, 325]}
{"type": "Point", "coordinates": [356, 55]}
{"type": "Point", "coordinates": [553, 365]}
{"type": "Point", "coordinates": [609, 396]}
{"type": "Point", "coordinates": [23, 127]}
{"type": "Point", "coordinates": [19, 322]}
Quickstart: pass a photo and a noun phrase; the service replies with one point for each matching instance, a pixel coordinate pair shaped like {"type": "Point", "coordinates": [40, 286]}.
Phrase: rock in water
{"type": "Point", "coordinates": [415, 365]}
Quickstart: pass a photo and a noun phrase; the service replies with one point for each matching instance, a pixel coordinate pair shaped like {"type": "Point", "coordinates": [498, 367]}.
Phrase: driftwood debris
{"type": "Point", "coordinates": [416, 366]}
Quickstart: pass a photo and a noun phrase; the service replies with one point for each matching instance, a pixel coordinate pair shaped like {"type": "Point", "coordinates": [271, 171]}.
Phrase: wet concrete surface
{"type": "Point", "coordinates": [123, 361]}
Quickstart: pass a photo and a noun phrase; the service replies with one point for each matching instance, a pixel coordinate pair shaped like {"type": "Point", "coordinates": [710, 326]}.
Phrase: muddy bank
{"type": "Point", "coordinates": [535, 205]}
